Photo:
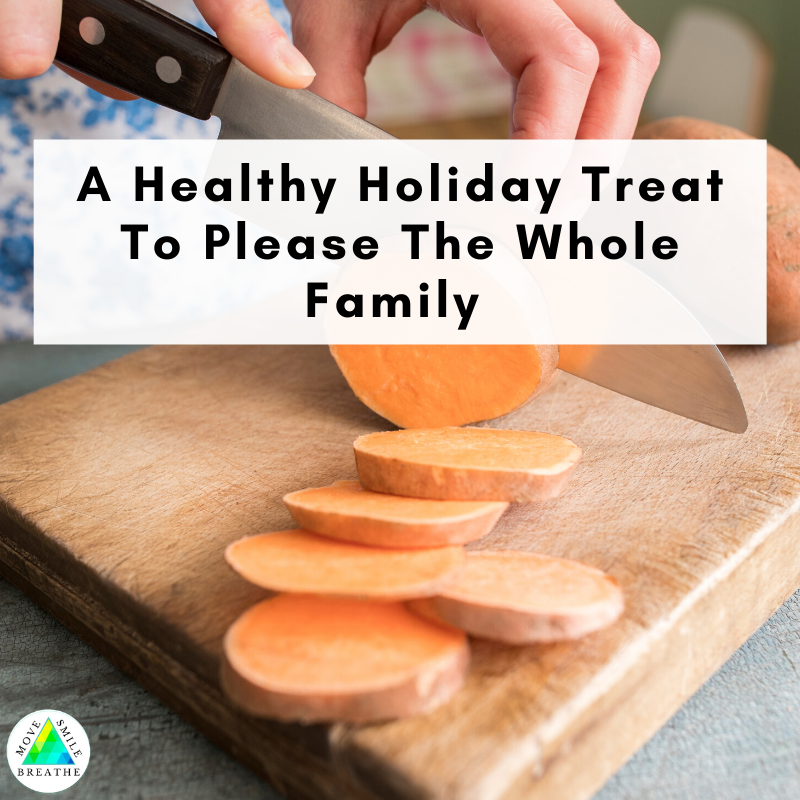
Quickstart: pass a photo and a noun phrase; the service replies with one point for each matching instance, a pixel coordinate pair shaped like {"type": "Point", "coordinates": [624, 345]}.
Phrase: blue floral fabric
{"type": "Point", "coordinates": [56, 106]}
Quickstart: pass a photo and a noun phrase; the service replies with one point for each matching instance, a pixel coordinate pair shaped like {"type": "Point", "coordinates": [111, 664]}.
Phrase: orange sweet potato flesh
{"type": "Point", "coordinates": [783, 221]}
{"type": "Point", "coordinates": [349, 512]}
{"type": "Point", "coordinates": [301, 561]}
{"type": "Point", "coordinates": [427, 386]}
{"type": "Point", "coordinates": [466, 463]}
{"type": "Point", "coordinates": [521, 598]}
{"type": "Point", "coordinates": [304, 658]}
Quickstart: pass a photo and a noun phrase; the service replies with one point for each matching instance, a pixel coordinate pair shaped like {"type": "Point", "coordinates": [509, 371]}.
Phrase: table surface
{"type": "Point", "coordinates": [737, 738]}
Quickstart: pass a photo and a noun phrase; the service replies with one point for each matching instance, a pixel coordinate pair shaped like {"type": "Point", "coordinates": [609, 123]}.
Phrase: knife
{"type": "Point", "coordinates": [179, 66]}
{"type": "Point", "coordinates": [690, 380]}
{"type": "Point", "coordinates": [148, 52]}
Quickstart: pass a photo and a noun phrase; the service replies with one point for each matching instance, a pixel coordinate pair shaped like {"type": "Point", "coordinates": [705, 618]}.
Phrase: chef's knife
{"type": "Point", "coordinates": [691, 380]}
{"type": "Point", "coordinates": [143, 50]}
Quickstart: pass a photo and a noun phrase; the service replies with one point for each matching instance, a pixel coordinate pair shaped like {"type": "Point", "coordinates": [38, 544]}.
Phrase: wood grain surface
{"type": "Point", "coordinates": [737, 738]}
{"type": "Point", "coordinates": [120, 489]}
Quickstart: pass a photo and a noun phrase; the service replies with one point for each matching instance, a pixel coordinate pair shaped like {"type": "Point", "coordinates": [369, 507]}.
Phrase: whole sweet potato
{"type": "Point", "coordinates": [783, 221]}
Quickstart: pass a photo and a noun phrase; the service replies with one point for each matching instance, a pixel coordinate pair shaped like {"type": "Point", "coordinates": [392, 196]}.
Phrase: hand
{"type": "Point", "coordinates": [580, 67]}
{"type": "Point", "coordinates": [29, 37]}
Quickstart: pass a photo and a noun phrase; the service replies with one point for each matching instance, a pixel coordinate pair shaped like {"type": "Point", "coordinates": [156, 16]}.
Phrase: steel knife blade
{"type": "Point", "coordinates": [178, 66]}
{"type": "Point", "coordinates": [251, 108]}
{"type": "Point", "coordinates": [693, 381]}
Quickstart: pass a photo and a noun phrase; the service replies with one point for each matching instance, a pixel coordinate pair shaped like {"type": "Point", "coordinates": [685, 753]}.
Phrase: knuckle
{"type": "Point", "coordinates": [638, 46]}
{"type": "Point", "coordinates": [528, 121]}
{"type": "Point", "coordinates": [533, 129]}
{"type": "Point", "coordinates": [579, 52]}
{"type": "Point", "coordinates": [649, 52]}
{"type": "Point", "coordinates": [273, 38]}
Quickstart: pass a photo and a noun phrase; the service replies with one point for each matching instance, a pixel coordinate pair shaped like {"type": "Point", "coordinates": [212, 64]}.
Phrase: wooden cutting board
{"type": "Point", "coordinates": [120, 488]}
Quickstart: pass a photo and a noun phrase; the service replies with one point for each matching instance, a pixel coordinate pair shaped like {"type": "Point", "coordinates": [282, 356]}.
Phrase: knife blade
{"type": "Point", "coordinates": [293, 113]}
{"type": "Point", "coordinates": [178, 66]}
{"type": "Point", "coordinates": [693, 381]}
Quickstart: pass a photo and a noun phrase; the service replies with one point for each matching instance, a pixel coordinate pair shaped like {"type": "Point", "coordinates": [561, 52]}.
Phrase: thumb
{"type": "Point", "coordinates": [250, 33]}
{"type": "Point", "coordinates": [28, 37]}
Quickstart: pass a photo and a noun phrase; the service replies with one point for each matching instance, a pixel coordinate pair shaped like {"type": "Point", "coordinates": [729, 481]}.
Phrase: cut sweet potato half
{"type": "Point", "coordinates": [466, 463]}
{"type": "Point", "coordinates": [520, 598]}
{"type": "Point", "coordinates": [426, 386]}
{"type": "Point", "coordinates": [349, 512]}
{"type": "Point", "coordinates": [301, 561]}
{"type": "Point", "coordinates": [313, 659]}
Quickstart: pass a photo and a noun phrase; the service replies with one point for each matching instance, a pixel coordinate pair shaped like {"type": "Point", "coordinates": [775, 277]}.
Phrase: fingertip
{"type": "Point", "coordinates": [268, 52]}
{"type": "Point", "coordinates": [25, 57]}
{"type": "Point", "coordinates": [28, 37]}
{"type": "Point", "coordinates": [15, 67]}
{"type": "Point", "coordinates": [295, 62]}
{"type": "Point", "coordinates": [250, 34]}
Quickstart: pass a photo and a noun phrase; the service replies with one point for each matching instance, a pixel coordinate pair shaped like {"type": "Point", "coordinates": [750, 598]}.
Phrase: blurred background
{"type": "Point", "coordinates": [730, 61]}
{"type": "Point", "coordinates": [734, 62]}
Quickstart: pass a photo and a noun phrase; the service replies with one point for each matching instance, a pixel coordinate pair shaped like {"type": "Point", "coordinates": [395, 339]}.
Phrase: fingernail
{"type": "Point", "coordinates": [294, 60]}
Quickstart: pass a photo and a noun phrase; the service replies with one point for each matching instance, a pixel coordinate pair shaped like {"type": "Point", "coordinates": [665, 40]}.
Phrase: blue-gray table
{"type": "Point", "coordinates": [738, 738]}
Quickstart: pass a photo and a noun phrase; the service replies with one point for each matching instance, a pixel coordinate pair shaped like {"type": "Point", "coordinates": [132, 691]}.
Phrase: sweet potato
{"type": "Point", "coordinates": [466, 463]}
{"type": "Point", "coordinates": [348, 511]}
{"type": "Point", "coordinates": [312, 659]}
{"type": "Point", "coordinates": [783, 221]}
{"type": "Point", "coordinates": [520, 598]}
{"type": "Point", "coordinates": [301, 561]}
{"type": "Point", "coordinates": [426, 386]}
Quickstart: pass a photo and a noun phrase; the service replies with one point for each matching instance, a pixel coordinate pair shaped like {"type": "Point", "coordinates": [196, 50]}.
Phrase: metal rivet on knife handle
{"type": "Point", "coordinates": [92, 30]}
{"type": "Point", "coordinates": [168, 69]}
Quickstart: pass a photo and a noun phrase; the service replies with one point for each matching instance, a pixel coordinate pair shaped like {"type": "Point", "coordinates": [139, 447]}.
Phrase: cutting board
{"type": "Point", "coordinates": [120, 488]}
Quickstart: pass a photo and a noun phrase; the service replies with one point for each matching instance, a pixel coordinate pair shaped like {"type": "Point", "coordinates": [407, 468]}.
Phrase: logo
{"type": "Point", "coordinates": [48, 751]}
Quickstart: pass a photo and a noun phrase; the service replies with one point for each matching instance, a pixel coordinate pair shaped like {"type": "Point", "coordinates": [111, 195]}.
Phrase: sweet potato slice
{"type": "Point", "coordinates": [519, 598]}
{"type": "Point", "coordinates": [301, 561]}
{"type": "Point", "coordinates": [426, 386]}
{"type": "Point", "coordinates": [309, 659]}
{"type": "Point", "coordinates": [348, 511]}
{"type": "Point", "coordinates": [466, 463]}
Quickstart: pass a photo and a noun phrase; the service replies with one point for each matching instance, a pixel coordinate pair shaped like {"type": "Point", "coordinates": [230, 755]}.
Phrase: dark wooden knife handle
{"type": "Point", "coordinates": [145, 51]}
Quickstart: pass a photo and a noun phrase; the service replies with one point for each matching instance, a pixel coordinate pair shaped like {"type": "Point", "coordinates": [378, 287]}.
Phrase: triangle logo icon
{"type": "Point", "coordinates": [48, 749]}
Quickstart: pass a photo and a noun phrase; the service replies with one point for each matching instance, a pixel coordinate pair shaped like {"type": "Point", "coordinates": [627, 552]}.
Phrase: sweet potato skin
{"type": "Point", "coordinates": [783, 221]}
{"type": "Point", "coordinates": [687, 128]}
{"type": "Point", "coordinates": [548, 353]}
{"type": "Point", "coordinates": [445, 483]}
{"type": "Point", "coordinates": [384, 533]}
{"type": "Point", "coordinates": [522, 598]}
{"type": "Point", "coordinates": [419, 694]}
{"type": "Point", "coordinates": [389, 533]}
{"type": "Point", "coordinates": [382, 473]}
{"type": "Point", "coordinates": [511, 626]}
{"type": "Point", "coordinates": [783, 248]}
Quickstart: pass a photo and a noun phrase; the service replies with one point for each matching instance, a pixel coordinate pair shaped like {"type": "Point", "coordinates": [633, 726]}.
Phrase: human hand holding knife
{"type": "Point", "coordinates": [179, 66]}
{"type": "Point", "coordinates": [580, 68]}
